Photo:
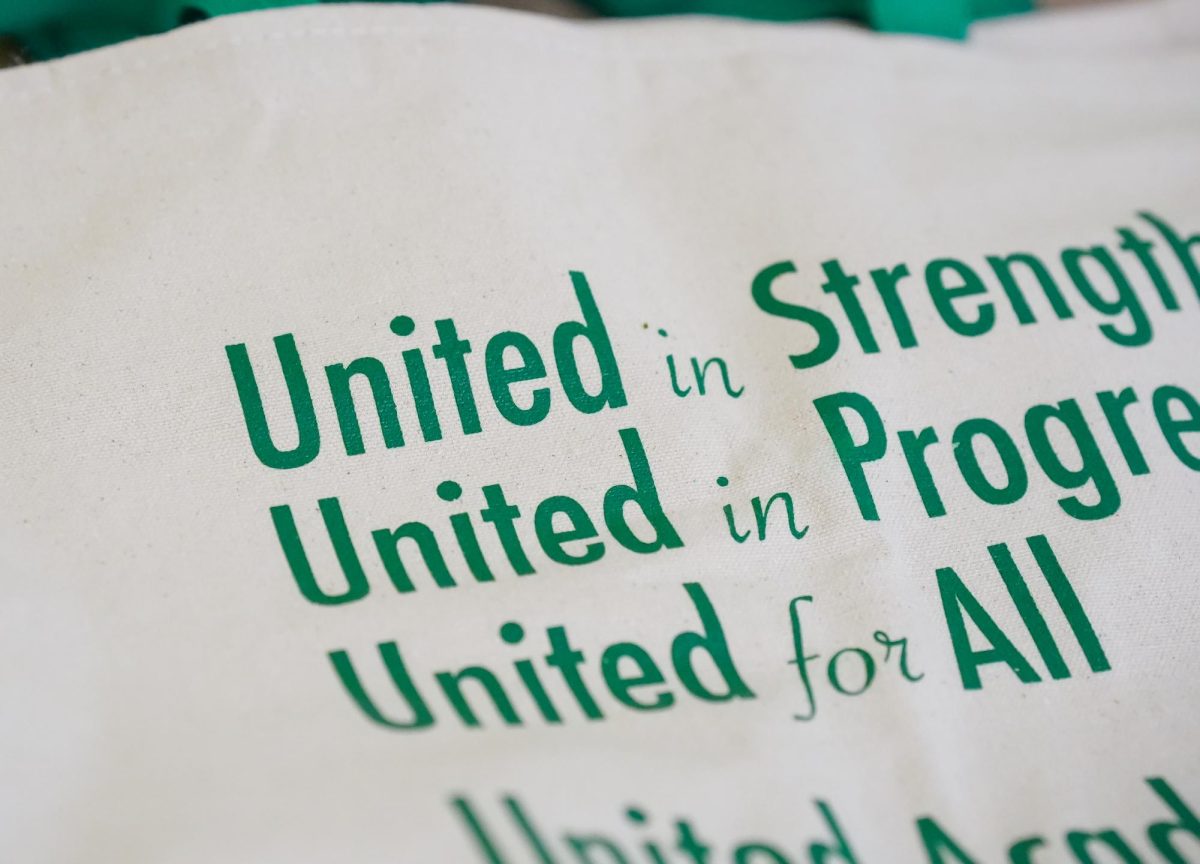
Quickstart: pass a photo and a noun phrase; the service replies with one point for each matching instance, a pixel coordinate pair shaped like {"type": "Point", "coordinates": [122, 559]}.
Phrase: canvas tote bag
{"type": "Point", "coordinates": [452, 435]}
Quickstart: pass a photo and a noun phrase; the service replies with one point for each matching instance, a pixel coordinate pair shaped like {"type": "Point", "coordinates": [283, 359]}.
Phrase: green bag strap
{"type": "Point", "coordinates": [52, 28]}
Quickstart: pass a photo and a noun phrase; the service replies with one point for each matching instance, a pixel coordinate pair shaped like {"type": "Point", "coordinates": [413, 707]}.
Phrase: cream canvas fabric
{"type": "Point", "coordinates": [333, 182]}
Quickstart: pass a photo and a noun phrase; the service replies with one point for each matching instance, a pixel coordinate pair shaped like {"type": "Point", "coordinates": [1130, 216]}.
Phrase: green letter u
{"type": "Point", "coordinates": [309, 443]}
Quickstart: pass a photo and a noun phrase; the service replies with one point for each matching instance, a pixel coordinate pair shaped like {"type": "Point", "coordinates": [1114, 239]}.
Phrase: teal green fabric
{"type": "Point", "coordinates": [52, 28]}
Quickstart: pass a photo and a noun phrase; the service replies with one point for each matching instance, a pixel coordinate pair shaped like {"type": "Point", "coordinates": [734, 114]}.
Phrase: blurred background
{"type": "Point", "coordinates": [33, 30]}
